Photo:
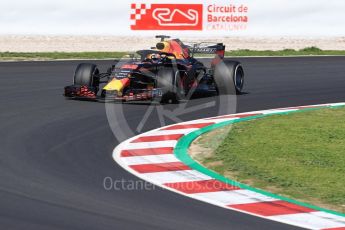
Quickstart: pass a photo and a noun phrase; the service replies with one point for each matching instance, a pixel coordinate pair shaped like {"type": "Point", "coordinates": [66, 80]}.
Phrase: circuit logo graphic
{"type": "Point", "coordinates": [166, 16]}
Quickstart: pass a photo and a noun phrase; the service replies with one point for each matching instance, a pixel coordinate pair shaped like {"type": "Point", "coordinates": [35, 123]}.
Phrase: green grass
{"type": "Point", "coordinates": [116, 55]}
{"type": "Point", "coordinates": [300, 155]}
{"type": "Point", "coordinates": [286, 52]}
{"type": "Point", "coordinates": [59, 55]}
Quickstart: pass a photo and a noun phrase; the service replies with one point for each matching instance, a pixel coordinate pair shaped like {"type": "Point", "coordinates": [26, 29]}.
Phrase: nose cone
{"type": "Point", "coordinates": [117, 84]}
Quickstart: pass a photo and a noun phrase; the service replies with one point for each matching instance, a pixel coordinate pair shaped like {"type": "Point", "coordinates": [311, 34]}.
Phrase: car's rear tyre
{"type": "Point", "coordinates": [168, 82]}
{"type": "Point", "coordinates": [229, 77]}
{"type": "Point", "coordinates": [86, 75]}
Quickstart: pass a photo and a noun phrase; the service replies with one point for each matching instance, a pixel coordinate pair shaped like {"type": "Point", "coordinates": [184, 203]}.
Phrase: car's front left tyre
{"type": "Point", "coordinates": [86, 74]}
{"type": "Point", "coordinates": [168, 81]}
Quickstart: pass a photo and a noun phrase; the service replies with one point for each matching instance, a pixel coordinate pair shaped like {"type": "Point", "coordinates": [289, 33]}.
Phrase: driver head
{"type": "Point", "coordinates": [155, 58]}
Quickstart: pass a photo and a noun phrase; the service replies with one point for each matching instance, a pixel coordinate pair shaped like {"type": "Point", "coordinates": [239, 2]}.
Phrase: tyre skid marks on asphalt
{"type": "Point", "coordinates": [150, 156]}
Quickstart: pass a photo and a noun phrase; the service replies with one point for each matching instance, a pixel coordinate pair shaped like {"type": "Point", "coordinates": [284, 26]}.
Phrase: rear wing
{"type": "Point", "coordinates": [207, 48]}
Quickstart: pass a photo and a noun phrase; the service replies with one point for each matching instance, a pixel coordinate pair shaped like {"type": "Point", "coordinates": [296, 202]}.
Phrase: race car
{"type": "Point", "coordinates": [166, 73]}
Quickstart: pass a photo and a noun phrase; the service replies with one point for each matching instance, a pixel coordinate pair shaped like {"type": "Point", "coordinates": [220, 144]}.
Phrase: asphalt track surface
{"type": "Point", "coordinates": [55, 153]}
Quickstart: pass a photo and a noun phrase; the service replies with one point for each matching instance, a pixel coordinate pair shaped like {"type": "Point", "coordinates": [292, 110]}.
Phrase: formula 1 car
{"type": "Point", "coordinates": [165, 73]}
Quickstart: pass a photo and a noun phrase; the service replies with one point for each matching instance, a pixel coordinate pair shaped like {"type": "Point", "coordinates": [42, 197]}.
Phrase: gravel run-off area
{"type": "Point", "coordinates": [21, 43]}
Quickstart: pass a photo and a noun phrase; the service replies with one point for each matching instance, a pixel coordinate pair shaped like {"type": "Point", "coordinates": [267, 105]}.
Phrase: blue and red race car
{"type": "Point", "coordinates": [165, 73]}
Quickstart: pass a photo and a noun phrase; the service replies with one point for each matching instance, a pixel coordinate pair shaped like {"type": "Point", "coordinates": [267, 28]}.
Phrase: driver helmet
{"type": "Point", "coordinates": [154, 57]}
